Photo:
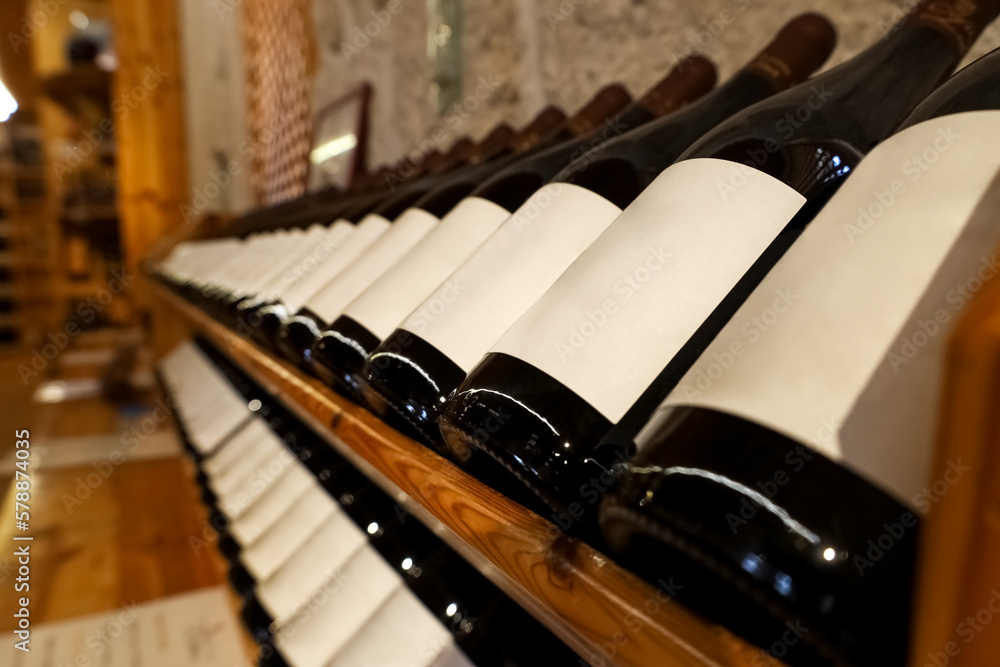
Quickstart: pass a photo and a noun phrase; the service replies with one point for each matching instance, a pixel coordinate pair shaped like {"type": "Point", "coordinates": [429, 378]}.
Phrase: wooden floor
{"type": "Point", "coordinates": [104, 536]}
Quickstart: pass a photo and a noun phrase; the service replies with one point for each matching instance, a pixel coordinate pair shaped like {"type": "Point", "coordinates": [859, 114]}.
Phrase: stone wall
{"type": "Point", "coordinates": [536, 52]}
{"type": "Point", "coordinates": [519, 55]}
{"type": "Point", "coordinates": [215, 102]}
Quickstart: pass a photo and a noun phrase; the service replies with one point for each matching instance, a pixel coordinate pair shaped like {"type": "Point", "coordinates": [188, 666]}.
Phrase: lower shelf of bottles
{"type": "Point", "coordinates": [603, 612]}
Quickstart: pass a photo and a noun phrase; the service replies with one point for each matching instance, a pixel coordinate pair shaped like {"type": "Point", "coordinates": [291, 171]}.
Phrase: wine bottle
{"type": "Point", "coordinates": [613, 335]}
{"type": "Point", "coordinates": [371, 207]}
{"type": "Point", "coordinates": [236, 269]}
{"type": "Point", "coordinates": [224, 306]}
{"type": "Point", "coordinates": [402, 632]}
{"type": "Point", "coordinates": [341, 350]}
{"type": "Point", "coordinates": [418, 367]}
{"type": "Point", "coordinates": [264, 315]}
{"type": "Point", "coordinates": [794, 454]}
{"type": "Point", "coordinates": [211, 409]}
{"type": "Point", "coordinates": [299, 333]}
{"type": "Point", "coordinates": [297, 266]}
{"type": "Point", "coordinates": [374, 521]}
{"type": "Point", "coordinates": [473, 617]}
{"type": "Point", "coordinates": [328, 622]}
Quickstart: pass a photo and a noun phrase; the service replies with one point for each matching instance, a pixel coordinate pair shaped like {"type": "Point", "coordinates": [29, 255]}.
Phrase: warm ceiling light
{"type": "Point", "coordinates": [8, 104]}
{"type": "Point", "coordinates": [79, 19]}
{"type": "Point", "coordinates": [333, 148]}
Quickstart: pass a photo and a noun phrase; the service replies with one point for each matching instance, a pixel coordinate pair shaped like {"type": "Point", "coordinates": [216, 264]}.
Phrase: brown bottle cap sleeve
{"type": "Point", "coordinates": [799, 49]}
{"type": "Point", "coordinates": [610, 100]}
{"type": "Point", "coordinates": [548, 120]}
{"type": "Point", "coordinates": [690, 79]}
{"type": "Point", "coordinates": [430, 161]}
{"type": "Point", "coordinates": [499, 138]}
{"type": "Point", "coordinates": [460, 152]}
{"type": "Point", "coordinates": [959, 20]}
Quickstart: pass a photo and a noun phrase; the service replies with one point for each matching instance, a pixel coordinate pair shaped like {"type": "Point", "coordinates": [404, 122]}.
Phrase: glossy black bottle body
{"type": "Point", "coordinates": [802, 536]}
{"type": "Point", "coordinates": [299, 333]}
{"type": "Point", "coordinates": [407, 380]}
{"type": "Point", "coordinates": [810, 138]}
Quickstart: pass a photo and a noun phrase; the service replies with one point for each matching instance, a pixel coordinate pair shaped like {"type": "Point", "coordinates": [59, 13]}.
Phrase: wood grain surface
{"type": "Point", "coordinates": [606, 614]}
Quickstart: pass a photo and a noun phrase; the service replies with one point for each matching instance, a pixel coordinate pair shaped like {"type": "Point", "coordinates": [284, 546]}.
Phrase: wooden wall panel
{"type": "Point", "coordinates": [152, 158]}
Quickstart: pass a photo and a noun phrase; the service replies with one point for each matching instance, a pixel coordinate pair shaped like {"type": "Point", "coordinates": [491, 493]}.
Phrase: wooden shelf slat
{"type": "Point", "coordinates": [605, 613]}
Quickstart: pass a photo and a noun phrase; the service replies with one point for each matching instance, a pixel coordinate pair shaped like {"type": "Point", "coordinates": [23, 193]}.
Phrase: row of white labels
{"type": "Point", "coordinates": [333, 598]}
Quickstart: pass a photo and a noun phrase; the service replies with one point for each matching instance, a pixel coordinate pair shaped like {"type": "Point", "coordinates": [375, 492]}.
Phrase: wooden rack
{"type": "Point", "coordinates": [608, 615]}
{"type": "Point", "coordinates": [599, 609]}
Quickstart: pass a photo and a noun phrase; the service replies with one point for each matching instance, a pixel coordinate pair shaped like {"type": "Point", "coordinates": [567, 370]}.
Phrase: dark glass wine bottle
{"type": "Point", "coordinates": [299, 332]}
{"type": "Point", "coordinates": [372, 211]}
{"type": "Point", "coordinates": [790, 464]}
{"type": "Point", "coordinates": [264, 315]}
{"type": "Point", "coordinates": [418, 367]}
{"type": "Point", "coordinates": [474, 214]}
{"type": "Point", "coordinates": [613, 335]}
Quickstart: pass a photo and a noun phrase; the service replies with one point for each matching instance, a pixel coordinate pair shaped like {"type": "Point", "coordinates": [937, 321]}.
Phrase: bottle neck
{"type": "Point", "coordinates": [634, 115]}
{"type": "Point", "coordinates": [817, 131]}
{"type": "Point", "coordinates": [745, 88]}
{"type": "Point", "coordinates": [879, 87]}
{"type": "Point", "coordinates": [654, 147]}
{"type": "Point", "coordinates": [960, 21]}
{"type": "Point", "coordinates": [975, 88]}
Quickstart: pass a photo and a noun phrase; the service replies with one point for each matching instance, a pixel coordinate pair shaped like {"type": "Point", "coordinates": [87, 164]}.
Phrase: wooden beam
{"type": "Point", "coordinates": [148, 109]}
{"type": "Point", "coordinates": [598, 608]}
{"type": "Point", "coordinates": [958, 586]}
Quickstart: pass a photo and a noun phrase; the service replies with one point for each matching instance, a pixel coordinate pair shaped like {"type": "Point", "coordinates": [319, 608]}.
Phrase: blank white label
{"type": "Point", "coordinates": [615, 318]}
{"type": "Point", "coordinates": [310, 568]}
{"type": "Point", "coordinates": [408, 229]}
{"type": "Point", "coordinates": [392, 297]}
{"type": "Point", "coordinates": [267, 502]}
{"type": "Point", "coordinates": [338, 611]}
{"type": "Point", "coordinates": [276, 546]}
{"type": "Point", "coordinates": [308, 259]}
{"type": "Point", "coordinates": [405, 634]}
{"type": "Point", "coordinates": [478, 303]}
{"type": "Point", "coordinates": [311, 281]}
{"type": "Point", "coordinates": [841, 347]}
